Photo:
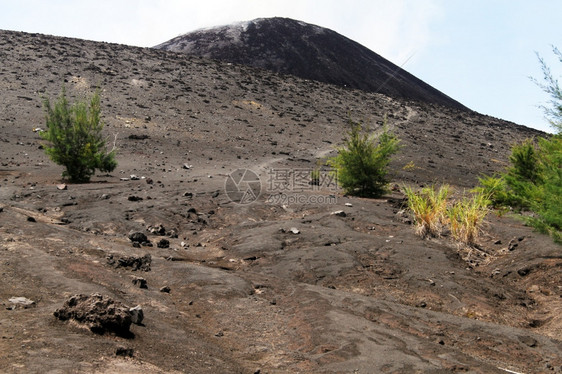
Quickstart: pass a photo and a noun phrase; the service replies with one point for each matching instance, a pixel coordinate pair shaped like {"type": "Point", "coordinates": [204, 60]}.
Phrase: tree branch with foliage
{"type": "Point", "coordinates": [550, 86]}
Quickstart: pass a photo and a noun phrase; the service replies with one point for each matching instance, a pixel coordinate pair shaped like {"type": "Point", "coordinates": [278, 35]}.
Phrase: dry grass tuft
{"type": "Point", "coordinates": [429, 208]}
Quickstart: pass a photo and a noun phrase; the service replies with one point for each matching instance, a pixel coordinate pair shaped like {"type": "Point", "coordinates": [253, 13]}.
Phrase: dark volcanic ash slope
{"type": "Point", "coordinates": [254, 116]}
{"type": "Point", "coordinates": [293, 47]}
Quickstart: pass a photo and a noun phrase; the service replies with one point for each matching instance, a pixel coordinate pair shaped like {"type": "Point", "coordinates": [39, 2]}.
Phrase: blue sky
{"type": "Point", "coordinates": [479, 52]}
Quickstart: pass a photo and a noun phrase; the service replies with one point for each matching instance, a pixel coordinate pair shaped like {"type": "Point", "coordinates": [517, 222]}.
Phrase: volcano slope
{"type": "Point", "coordinates": [269, 286]}
{"type": "Point", "coordinates": [288, 46]}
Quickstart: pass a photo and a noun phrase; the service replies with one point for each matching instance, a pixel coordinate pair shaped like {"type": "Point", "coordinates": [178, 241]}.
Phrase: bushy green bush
{"type": "Point", "coordinates": [74, 132]}
{"type": "Point", "coordinates": [546, 198]}
{"type": "Point", "coordinates": [495, 188]}
{"type": "Point", "coordinates": [533, 182]}
{"type": "Point", "coordinates": [362, 163]}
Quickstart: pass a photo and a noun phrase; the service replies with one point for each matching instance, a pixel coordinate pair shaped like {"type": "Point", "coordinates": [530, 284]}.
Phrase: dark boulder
{"type": "Point", "coordinates": [100, 313]}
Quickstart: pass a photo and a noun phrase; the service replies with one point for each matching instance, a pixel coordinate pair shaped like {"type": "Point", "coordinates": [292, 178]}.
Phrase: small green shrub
{"type": "Point", "coordinates": [495, 187]}
{"type": "Point", "coordinates": [547, 197]}
{"type": "Point", "coordinates": [362, 163]}
{"type": "Point", "coordinates": [76, 139]}
{"type": "Point", "coordinates": [533, 182]}
{"type": "Point", "coordinates": [429, 208]}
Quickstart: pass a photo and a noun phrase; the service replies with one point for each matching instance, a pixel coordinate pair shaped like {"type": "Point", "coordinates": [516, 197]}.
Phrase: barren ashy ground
{"type": "Point", "coordinates": [261, 287]}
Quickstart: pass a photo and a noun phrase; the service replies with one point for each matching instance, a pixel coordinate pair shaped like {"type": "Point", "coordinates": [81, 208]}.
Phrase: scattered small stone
{"type": "Point", "coordinates": [137, 315]}
{"type": "Point", "coordinates": [1, 209]}
{"type": "Point", "coordinates": [149, 181]}
{"type": "Point", "coordinates": [20, 302]}
{"type": "Point", "coordinates": [100, 313]}
{"type": "Point", "coordinates": [138, 137]}
{"type": "Point", "coordinates": [140, 282]}
{"type": "Point", "coordinates": [528, 341]}
{"type": "Point", "coordinates": [187, 167]}
{"type": "Point", "coordinates": [534, 288]}
{"type": "Point", "coordinates": [31, 219]}
{"type": "Point", "coordinates": [188, 194]}
{"type": "Point", "coordinates": [349, 204]}
{"type": "Point", "coordinates": [62, 187]}
{"type": "Point", "coordinates": [165, 289]}
{"type": "Point", "coordinates": [339, 213]}
{"type": "Point", "coordinates": [134, 177]}
{"type": "Point", "coordinates": [134, 198]}
{"type": "Point", "coordinates": [163, 243]}
{"type": "Point", "coordinates": [124, 352]}
{"type": "Point", "coordinates": [294, 230]}
{"type": "Point", "coordinates": [216, 193]}
{"type": "Point", "coordinates": [219, 334]}
{"type": "Point", "coordinates": [123, 179]}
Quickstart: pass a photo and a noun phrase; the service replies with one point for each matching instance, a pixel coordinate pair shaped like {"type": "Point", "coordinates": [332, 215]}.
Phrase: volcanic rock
{"type": "Point", "coordinates": [137, 315]}
{"type": "Point", "coordinates": [21, 302]}
{"type": "Point", "coordinates": [99, 313]}
{"type": "Point", "coordinates": [133, 262]}
{"type": "Point", "coordinates": [138, 237]}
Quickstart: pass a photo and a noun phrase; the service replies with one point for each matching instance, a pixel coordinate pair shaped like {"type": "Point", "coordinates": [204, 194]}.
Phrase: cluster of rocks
{"type": "Point", "coordinates": [161, 231]}
{"type": "Point", "coordinates": [134, 262]}
{"type": "Point", "coordinates": [140, 239]}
